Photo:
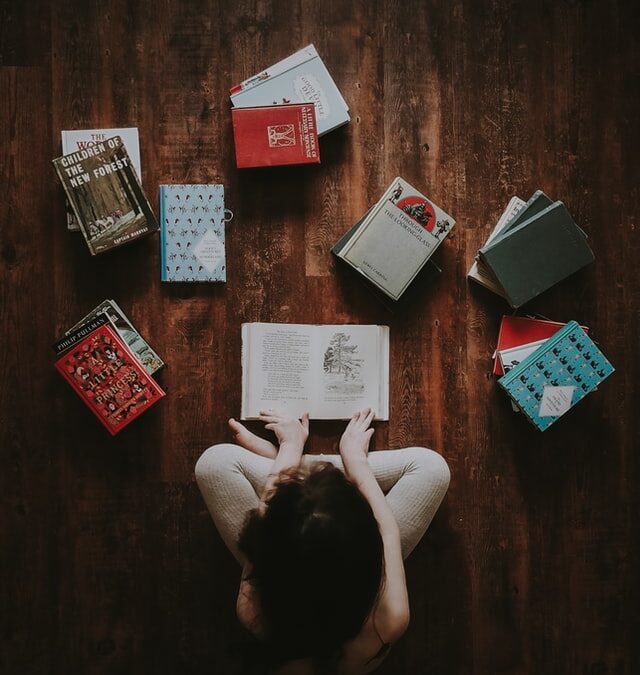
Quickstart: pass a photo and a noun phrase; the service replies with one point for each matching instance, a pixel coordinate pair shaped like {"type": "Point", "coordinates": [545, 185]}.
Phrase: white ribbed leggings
{"type": "Point", "coordinates": [232, 479]}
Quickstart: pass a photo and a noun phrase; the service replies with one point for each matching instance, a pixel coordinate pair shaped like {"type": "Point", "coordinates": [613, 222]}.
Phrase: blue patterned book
{"type": "Point", "coordinates": [561, 372]}
{"type": "Point", "coordinates": [192, 224]}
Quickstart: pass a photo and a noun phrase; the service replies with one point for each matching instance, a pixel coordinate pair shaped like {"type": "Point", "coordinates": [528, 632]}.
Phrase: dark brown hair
{"type": "Point", "coordinates": [317, 559]}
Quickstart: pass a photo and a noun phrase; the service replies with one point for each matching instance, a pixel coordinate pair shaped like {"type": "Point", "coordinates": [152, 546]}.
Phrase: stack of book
{"type": "Point", "coordinates": [279, 113]}
{"type": "Point", "coordinates": [534, 245]}
{"type": "Point", "coordinates": [109, 365]}
{"type": "Point", "coordinates": [103, 189]}
{"type": "Point", "coordinates": [395, 239]}
{"type": "Point", "coordinates": [547, 367]}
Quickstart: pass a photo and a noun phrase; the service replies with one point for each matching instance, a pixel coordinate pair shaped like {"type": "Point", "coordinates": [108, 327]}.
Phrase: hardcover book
{"type": "Point", "coordinates": [79, 139]}
{"type": "Point", "coordinates": [328, 371]}
{"type": "Point", "coordinates": [103, 372]}
{"type": "Point", "coordinates": [396, 238]}
{"type": "Point", "coordinates": [104, 191]}
{"type": "Point", "coordinates": [192, 233]}
{"type": "Point", "coordinates": [300, 78]}
{"type": "Point", "coordinates": [147, 356]}
{"type": "Point", "coordinates": [550, 381]}
{"type": "Point", "coordinates": [536, 254]}
{"type": "Point", "coordinates": [516, 331]}
{"type": "Point", "coordinates": [275, 135]}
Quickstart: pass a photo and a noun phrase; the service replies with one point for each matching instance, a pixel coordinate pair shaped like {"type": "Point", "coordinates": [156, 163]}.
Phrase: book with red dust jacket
{"type": "Point", "coordinates": [521, 330]}
{"type": "Point", "coordinates": [109, 379]}
{"type": "Point", "coordinates": [275, 135]}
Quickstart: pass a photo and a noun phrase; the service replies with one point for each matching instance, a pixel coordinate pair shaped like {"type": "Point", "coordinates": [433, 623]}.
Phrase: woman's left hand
{"type": "Point", "coordinates": [288, 430]}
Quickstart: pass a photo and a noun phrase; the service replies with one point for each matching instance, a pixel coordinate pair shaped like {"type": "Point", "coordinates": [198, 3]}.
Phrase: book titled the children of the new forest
{"type": "Point", "coordinates": [105, 194]}
{"type": "Point", "coordinates": [107, 377]}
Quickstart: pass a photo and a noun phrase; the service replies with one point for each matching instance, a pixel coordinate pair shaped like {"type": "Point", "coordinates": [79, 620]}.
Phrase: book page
{"type": "Point", "coordinates": [276, 368]}
{"type": "Point", "coordinates": [350, 371]}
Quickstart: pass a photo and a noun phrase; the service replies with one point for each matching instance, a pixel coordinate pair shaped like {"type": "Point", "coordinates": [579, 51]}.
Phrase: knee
{"type": "Point", "coordinates": [432, 466]}
{"type": "Point", "coordinates": [215, 460]}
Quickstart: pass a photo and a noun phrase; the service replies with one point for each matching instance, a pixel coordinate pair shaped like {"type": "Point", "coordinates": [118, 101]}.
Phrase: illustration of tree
{"type": "Point", "coordinates": [340, 357]}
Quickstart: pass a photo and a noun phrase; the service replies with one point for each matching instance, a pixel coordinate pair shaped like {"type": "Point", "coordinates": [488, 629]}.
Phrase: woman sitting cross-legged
{"type": "Point", "coordinates": [321, 539]}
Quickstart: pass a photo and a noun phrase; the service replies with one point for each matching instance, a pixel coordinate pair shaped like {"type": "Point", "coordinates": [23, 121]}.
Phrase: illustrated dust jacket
{"type": "Point", "coordinates": [106, 196]}
{"type": "Point", "coordinates": [108, 378]}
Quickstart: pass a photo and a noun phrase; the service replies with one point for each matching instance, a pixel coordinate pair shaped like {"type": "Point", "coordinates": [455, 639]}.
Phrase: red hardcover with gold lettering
{"type": "Point", "coordinates": [275, 135]}
{"type": "Point", "coordinates": [109, 379]}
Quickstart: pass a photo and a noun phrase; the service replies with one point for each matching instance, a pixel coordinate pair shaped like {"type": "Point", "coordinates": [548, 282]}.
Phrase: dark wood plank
{"type": "Point", "coordinates": [108, 558]}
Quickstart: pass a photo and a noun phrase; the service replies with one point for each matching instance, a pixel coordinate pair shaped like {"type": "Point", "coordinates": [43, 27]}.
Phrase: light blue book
{"type": "Point", "coordinates": [300, 78]}
{"type": "Point", "coordinates": [561, 372]}
{"type": "Point", "coordinates": [192, 233]}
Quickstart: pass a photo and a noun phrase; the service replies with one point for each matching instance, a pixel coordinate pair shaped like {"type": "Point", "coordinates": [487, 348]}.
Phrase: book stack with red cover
{"type": "Point", "coordinates": [101, 369]}
{"type": "Point", "coordinates": [275, 135]}
{"type": "Point", "coordinates": [520, 336]}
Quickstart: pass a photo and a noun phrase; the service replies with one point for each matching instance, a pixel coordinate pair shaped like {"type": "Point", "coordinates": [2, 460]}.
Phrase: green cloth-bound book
{"type": "Point", "coordinates": [538, 253]}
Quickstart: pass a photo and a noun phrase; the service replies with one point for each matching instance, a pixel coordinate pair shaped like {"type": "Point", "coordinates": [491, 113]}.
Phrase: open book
{"type": "Point", "coordinates": [329, 371]}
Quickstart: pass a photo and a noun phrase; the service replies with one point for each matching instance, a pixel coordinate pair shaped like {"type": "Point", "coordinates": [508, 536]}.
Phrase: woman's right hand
{"type": "Point", "coordinates": [354, 444]}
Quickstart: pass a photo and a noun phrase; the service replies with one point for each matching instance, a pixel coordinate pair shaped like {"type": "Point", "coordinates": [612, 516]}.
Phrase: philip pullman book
{"type": "Point", "coordinates": [105, 194]}
{"type": "Point", "coordinates": [105, 374]}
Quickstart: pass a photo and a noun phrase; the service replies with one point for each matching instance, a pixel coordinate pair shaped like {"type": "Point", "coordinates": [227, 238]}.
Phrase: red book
{"type": "Point", "coordinates": [521, 330]}
{"type": "Point", "coordinates": [275, 135]}
{"type": "Point", "coordinates": [109, 379]}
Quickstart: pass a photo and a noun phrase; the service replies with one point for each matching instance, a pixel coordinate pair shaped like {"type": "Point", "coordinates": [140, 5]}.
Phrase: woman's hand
{"type": "Point", "coordinates": [354, 444]}
{"type": "Point", "coordinates": [289, 431]}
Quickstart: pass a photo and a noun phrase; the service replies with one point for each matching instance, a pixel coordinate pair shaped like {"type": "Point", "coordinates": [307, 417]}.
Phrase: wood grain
{"type": "Point", "coordinates": [109, 562]}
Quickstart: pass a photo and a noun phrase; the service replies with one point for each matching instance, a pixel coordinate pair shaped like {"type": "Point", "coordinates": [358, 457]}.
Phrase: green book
{"type": "Point", "coordinates": [537, 253]}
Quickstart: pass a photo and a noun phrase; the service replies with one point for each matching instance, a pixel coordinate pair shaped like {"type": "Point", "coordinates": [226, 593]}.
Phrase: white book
{"type": "Point", "coordinates": [510, 358]}
{"type": "Point", "coordinates": [78, 139]}
{"type": "Point", "coordinates": [328, 371]}
{"type": "Point", "coordinates": [396, 238]}
{"type": "Point", "coordinates": [478, 272]}
{"type": "Point", "coordinates": [299, 78]}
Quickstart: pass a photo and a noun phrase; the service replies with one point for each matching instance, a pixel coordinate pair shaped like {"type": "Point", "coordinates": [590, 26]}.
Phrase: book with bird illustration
{"type": "Point", "coordinates": [192, 233]}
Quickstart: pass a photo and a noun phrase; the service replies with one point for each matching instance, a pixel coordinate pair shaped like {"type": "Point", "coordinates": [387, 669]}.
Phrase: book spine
{"type": "Point", "coordinates": [163, 235]}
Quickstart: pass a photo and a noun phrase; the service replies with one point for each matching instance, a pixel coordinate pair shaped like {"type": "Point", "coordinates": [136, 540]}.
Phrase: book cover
{"type": "Point", "coordinates": [520, 330]}
{"type": "Point", "coordinates": [79, 139]}
{"type": "Point", "coordinates": [396, 239]}
{"type": "Point", "coordinates": [108, 378]}
{"type": "Point", "coordinates": [147, 356]}
{"type": "Point", "coordinates": [106, 196]}
{"type": "Point", "coordinates": [537, 254]}
{"type": "Point", "coordinates": [275, 135]}
{"type": "Point", "coordinates": [299, 78]}
{"type": "Point", "coordinates": [330, 371]}
{"type": "Point", "coordinates": [556, 376]}
{"type": "Point", "coordinates": [192, 233]}
{"type": "Point", "coordinates": [534, 205]}
{"type": "Point", "coordinates": [424, 279]}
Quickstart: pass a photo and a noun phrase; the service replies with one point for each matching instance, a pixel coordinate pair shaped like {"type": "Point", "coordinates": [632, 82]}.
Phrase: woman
{"type": "Point", "coordinates": [321, 539]}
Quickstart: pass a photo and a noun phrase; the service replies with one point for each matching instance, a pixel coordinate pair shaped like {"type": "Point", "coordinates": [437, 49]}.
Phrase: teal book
{"type": "Point", "coordinates": [537, 254]}
{"type": "Point", "coordinates": [558, 375]}
{"type": "Point", "coordinates": [192, 233]}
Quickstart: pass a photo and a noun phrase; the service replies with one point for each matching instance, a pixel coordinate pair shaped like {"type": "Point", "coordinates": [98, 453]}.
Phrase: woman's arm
{"type": "Point", "coordinates": [292, 434]}
{"type": "Point", "coordinates": [391, 615]}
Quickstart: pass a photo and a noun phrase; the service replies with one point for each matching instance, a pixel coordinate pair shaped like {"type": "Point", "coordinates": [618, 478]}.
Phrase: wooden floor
{"type": "Point", "coordinates": [109, 562]}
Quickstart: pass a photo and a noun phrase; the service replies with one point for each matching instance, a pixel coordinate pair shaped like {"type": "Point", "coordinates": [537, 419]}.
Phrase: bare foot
{"type": "Point", "coordinates": [248, 440]}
